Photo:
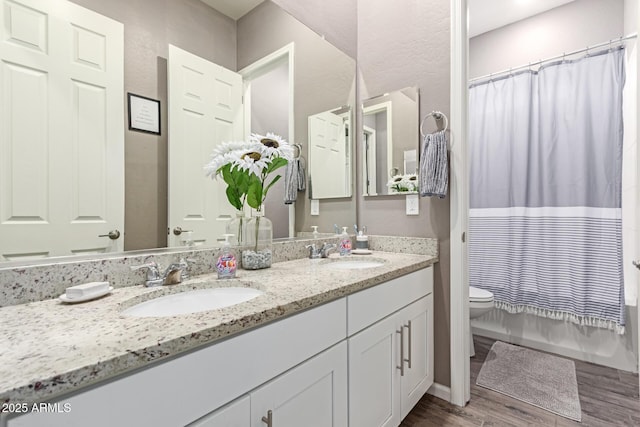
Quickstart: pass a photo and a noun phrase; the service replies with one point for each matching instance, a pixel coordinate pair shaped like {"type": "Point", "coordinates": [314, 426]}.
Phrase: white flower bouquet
{"type": "Point", "coordinates": [246, 166]}
{"type": "Point", "coordinates": [407, 183]}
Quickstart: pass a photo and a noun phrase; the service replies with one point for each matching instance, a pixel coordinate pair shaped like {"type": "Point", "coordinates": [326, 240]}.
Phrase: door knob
{"type": "Point", "coordinates": [636, 264]}
{"type": "Point", "coordinates": [113, 235]}
{"type": "Point", "coordinates": [178, 231]}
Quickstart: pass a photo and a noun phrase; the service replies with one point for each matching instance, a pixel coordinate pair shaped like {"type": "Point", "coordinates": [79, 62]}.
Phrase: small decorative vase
{"type": "Point", "coordinates": [238, 227]}
{"type": "Point", "coordinates": [259, 240]}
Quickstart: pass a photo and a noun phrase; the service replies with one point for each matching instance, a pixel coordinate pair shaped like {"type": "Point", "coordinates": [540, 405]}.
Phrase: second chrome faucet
{"type": "Point", "coordinates": [322, 252]}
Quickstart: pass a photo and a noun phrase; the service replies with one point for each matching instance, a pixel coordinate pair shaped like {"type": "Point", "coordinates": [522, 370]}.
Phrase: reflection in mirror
{"type": "Point", "coordinates": [330, 154]}
{"type": "Point", "coordinates": [149, 28]}
{"type": "Point", "coordinates": [390, 142]}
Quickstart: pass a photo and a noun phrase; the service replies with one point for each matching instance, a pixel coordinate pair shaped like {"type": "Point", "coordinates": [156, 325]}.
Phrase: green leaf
{"type": "Point", "coordinates": [266, 190]}
{"type": "Point", "coordinates": [254, 195]}
{"type": "Point", "coordinates": [276, 163]}
{"type": "Point", "coordinates": [242, 182]}
{"type": "Point", "coordinates": [226, 174]}
{"type": "Point", "coordinates": [234, 198]}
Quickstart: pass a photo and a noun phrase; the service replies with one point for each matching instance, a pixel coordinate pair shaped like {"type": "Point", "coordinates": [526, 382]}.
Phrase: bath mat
{"type": "Point", "coordinates": [540, 379]}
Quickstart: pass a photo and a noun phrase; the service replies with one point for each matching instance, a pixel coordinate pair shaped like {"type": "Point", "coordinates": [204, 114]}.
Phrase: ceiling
{"type": "Point", "coordinates": [234, 9]}
{"type": "Point", "coordinates": [484, 15]}
{"type": "Point", "coordinates": [487, 15]}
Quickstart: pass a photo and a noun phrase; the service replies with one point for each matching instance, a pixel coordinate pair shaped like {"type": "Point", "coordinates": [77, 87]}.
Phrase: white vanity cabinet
{"type": "Point", "coordinates": [391, 359]}
{"type": "Point", "coordinates": [186, 388]}
{"type": "Point", "coordinates": [235, 414]}
{"type": "Point", "coordinates": [313, 394]}
{"type": "Point", "coordinates": [361, 361]}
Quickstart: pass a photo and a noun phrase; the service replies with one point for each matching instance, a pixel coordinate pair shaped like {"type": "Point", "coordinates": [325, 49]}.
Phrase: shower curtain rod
{"type": "Point", "coordinates": [531, 64]}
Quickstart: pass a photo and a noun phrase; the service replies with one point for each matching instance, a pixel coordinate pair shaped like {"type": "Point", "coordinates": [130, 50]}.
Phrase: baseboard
{"type": "Point", "coordinates": [440, 391]}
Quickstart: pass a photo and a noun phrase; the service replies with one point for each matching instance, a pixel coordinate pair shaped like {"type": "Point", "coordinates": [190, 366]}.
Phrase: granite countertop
{"type": "Point", "coordinates": [49, 348]}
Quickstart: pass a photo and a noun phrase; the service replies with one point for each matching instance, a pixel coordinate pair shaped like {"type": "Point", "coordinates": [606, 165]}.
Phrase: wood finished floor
{"type": "Point", "coordinates": [608, 397]}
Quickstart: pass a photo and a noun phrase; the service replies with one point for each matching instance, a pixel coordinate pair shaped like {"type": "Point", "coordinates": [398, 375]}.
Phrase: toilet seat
{"type": "Point", "coordinates": [479, 295]}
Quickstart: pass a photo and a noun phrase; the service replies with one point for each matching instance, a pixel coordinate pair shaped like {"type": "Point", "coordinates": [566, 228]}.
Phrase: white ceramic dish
{"type": "Point", "coordinates": [89, 297]}
{"type": "Point", "coordinates": [362, 251]}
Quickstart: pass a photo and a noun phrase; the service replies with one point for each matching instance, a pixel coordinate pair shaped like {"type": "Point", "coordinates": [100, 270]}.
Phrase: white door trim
{"type": "Point", "coordinates": [459, 207]}
{"type": "Point", "coordinates": [369, 158]}
{"type": "Point", "coordinates": [257, 68]}
{"type": "Point", "coordinates": [637, 224]}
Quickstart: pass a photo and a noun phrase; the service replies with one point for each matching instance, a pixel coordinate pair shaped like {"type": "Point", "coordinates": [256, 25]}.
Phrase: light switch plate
{"type": "Point", "coordinates": [413, 204]}
{"type": "Point", "coordinates": [315, 207]}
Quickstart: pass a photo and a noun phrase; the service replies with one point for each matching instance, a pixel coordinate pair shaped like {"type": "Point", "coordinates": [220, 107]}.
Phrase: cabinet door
{"type": "Point", "coordinates": [374, 380]}
{"type": "Point", "coordinates": [417, 325]}
{"type": "Point", "coordinates": [235, 414]}
{"type": "Point", "coordinates": [314, 394]}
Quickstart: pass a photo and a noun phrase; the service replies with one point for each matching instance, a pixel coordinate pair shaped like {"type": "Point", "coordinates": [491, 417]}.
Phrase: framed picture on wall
{"type": "Point", "coordinates": [144, 114]}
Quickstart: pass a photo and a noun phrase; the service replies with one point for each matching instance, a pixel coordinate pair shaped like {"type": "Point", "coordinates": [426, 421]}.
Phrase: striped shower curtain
{"type": "Point", "coordinates": [545, 231]}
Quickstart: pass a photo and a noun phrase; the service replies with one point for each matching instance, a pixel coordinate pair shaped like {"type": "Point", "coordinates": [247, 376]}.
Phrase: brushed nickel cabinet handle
{"type": "Point", "coordinates": [113, 235]}
{"type": "Point", "coordinates": [408, 326]}
{"type": "Point", "coordinates": [401, 367]}
{"type": "Point", "coordinates": [268, 420]}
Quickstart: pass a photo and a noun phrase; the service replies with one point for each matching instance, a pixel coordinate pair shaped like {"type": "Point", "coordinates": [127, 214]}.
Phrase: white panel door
{"type": "Point", "coordinates": [417, 322]}
{"type": "Point", "coordinates": [373, 381]}
{"type": "Point", "coordinates": [205, 109]}
{"type": "Point", "coordinates": [61, 130]}
{"type": "Point", "coordinates": [327, 156]}
{"type": "Point", "coordinates": [313, 394]}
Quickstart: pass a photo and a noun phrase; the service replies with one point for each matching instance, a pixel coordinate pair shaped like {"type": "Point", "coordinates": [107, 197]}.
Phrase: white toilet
{"type": "Point", "coordinates": [480, 302]}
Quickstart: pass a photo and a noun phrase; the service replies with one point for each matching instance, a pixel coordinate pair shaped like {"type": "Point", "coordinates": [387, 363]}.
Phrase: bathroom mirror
{"type": "Point", "coordinates": [330, 154]}
{"type": "Point", "coordinates": [234, 43]}
{"type": "Point", "coordinates": [389, 141]}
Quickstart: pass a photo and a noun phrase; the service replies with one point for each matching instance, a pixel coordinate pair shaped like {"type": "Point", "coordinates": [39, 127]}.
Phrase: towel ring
{"type": "Point", "coordinates": [299, 147]}
{"type": "Point", "coordinates": [436, 115]}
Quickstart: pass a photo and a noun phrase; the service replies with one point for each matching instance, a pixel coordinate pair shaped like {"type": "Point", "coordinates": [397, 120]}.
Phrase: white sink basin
{"type": "Point", "coordinates": [352, 264]}
{"type": "Point", "coordinates": [193, 301]}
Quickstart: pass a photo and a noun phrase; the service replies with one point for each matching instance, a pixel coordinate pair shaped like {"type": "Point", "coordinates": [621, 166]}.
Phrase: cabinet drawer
{"type": "Point", "coordinates": [366, 307]}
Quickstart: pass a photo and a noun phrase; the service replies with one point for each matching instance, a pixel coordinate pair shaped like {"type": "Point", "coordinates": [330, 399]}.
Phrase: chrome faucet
{"type": "Point", "coordinates": [326, 248]}
{"type": "Point", "coordinates": [322, 252]}
{"type": "Point", "coordinates": [172, 275]}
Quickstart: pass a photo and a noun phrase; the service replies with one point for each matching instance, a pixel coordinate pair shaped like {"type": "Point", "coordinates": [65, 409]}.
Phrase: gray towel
{"type": "Point", "coordinates": [294, 180]}
{"type": "Point", "coordinates": [302, 181]}
{"type": "Point", "coordinates": [434, 166]}
{"type": "Point", "coordinates": [291, 182]}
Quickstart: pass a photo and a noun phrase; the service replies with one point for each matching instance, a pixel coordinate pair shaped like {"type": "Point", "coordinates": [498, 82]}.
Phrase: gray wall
{"type": "Point", "coordinates": [323, 80]}
{"type": "Point", "coordinates": [149, 27]}
{"type": "Point", "coordinates": [406, 43]}
{"type": "Point", "coordinates": [572, 26]}
{"type": "Point", "coordinates": [405, 125]}
{"type": "Point", "coordinates": [382, 168]}
{"type": "Point", "coordinates": [270, 113]}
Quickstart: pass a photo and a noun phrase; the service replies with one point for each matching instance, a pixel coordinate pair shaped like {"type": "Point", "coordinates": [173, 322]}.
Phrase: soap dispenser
{"type": "Point", "coordinates": [227, 262]}
{"type": "Point", "coordinates": [315, 233]}
{"type": "Point", "coordinates": [344, 243]}
{"type": "Point", "coordinates": [362, 241]}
